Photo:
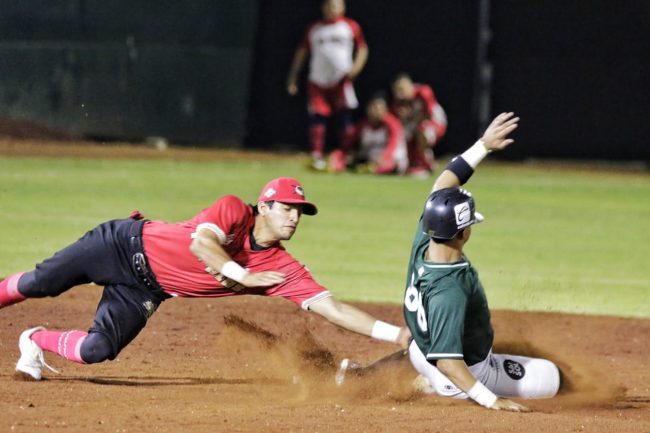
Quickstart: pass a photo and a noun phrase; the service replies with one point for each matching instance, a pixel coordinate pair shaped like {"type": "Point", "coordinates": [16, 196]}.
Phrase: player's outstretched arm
{"type": "Point", "coordinates": [460, 169]}
{"type": "Point", "coordinates": [456, 370]}
{"type": "Point", "coordinates": [356, 320]}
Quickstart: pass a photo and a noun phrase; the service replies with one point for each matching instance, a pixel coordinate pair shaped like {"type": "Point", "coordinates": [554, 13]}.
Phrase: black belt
{"type": "Point", "coordinates": [140, 265]}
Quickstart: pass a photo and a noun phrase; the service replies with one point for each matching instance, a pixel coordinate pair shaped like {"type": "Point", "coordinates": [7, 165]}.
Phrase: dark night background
{"type": "Point", "coordinates": [212, 72]}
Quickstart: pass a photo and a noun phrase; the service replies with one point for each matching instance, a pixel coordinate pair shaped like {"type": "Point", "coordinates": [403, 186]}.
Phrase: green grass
{"type": "Point", "coordinates": [569, 240]}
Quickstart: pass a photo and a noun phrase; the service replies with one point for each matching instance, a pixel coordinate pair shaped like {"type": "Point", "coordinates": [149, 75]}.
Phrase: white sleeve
{"type": "Point", "coordinates": [214, 229]}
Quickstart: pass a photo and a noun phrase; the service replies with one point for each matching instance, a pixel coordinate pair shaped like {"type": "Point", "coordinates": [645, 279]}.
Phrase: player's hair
{"type": "Point", "coordinates": [327, 1]}
{"type": "Point", "coordinates": [446, 241]}
{"type": "Point", "coordinates": [256, 211]}
{"type": "Point", "coordinates": [402, 76]}
{"type": "Point", "coordinates": [379, 94]}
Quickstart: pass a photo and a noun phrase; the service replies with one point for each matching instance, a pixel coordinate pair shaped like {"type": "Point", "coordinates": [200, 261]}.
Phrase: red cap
{"type": "Point", "coordinates": [287, 190]}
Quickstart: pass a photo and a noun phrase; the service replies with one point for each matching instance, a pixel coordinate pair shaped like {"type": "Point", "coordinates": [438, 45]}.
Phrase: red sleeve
{"type": "Point", "coordinates": [425, 93]}
{"type": "Point", "coordinates": [226, 213]}
{"type": "Point", "coordinates": [395, 131]}
{"type": "Point", "coordinates": [359, 39]}
{"type": "Point", "coordinates": [299, 286]}
{"type": "Point", "coordinates": [305, 39]}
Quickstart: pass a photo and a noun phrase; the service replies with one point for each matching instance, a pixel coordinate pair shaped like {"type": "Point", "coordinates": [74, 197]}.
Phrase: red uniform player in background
{"type": "Point", "coordinates": [424, 121]}
{"type": "Point", "coordinates": [338, 52]}
{"type": "Point", "coordinates": [378, 142]}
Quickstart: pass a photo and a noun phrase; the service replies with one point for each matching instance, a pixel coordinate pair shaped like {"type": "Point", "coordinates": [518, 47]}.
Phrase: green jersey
{"type": "Point", "coordinates": [445, 307]}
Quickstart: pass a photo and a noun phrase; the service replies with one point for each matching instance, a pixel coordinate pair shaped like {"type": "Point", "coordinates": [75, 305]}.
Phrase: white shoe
{"type": "Point", "coordinates": [31, 360]}
{"type": "Point", "coordinates": [421, 384]}
{"type": "Point", "coordinates": [318, 164]}
{"type": "Point", "coordinates": [346, 364]}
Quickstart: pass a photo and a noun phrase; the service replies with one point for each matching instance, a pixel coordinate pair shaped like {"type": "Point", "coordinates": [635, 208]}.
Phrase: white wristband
{"type": "Point", "coordinates": [480, 394]}
{"type": "Point", "coordinates": [475, 154]}
{"type": "Point", "coordinates": [233, 271]}
{"type": "Point", "coordinates": [385, 331]}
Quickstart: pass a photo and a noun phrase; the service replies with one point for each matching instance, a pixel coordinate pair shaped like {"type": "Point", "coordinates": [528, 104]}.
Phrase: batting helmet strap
{"type": "Point", "coordinates": [447, 212]}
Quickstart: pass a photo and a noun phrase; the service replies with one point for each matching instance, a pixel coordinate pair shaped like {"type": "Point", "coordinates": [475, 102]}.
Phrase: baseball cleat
{"type": "Point", "coordinates": [421, 384]}
{"type": "Point", "coordinates": [318, 164]}
{"type": "Point", "coordinates": [346, 364]}
{"type": "Point", "coordinates": [31, 360]}
{"type": "Point", "coordinates": [336, 162]}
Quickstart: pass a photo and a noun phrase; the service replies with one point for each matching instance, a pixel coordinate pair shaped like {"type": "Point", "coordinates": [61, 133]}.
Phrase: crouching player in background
{"type": "Point", "coordinates": [377, 144]}
{"type": "Point", "coordinates": [424, 121]}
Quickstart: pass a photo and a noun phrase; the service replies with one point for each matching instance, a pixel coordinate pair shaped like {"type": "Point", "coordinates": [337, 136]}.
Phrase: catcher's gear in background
{"type": "Point", "coordinates": [447, 212]}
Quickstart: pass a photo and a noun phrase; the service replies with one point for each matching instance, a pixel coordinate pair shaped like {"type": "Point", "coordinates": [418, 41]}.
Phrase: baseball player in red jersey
{"type": "Point", "coordinates": [378, 142]}
{"type": "Point", "coordinates": [338, 52]}
{"type": "Point", "coordinates": [230, 248]}
{"type": "Point", "coordinates": [424, 121]}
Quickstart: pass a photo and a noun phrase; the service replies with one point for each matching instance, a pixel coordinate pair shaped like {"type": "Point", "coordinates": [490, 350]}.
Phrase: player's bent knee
{"type": "Point", "coordinates": [96, 348]}
{"type": "Point", "coordinates": [543, 379]}
{"type": "Point", "coordinates": [31, 286]}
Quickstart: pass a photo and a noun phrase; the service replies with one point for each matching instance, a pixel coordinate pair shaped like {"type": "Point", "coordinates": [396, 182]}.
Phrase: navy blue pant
{"type": "Point", "coordinates": [110, 255]}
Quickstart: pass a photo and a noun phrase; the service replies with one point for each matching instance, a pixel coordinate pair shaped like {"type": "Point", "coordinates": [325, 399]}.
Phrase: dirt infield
{"type": "Point", "coordinates": [253, 364]}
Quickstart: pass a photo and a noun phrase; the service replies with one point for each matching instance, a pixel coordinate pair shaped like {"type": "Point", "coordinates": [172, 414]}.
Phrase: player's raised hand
{"type": "Point", "coordinates": [262, 279]}
{"type": "Point", "coordinates": [509, 405]}
{"type": "Point", "coordinates": [496, 135]}
{"type": "Point", "coordinates": [292, 88]}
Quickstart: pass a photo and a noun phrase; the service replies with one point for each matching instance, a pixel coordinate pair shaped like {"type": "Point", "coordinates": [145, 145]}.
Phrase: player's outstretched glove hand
{"type": "Point", "coordinates": [496, 135]}
{"type": "Point", "coordinates": [262, 279]}
{"type": "Point", "coordinates": [509, 405]}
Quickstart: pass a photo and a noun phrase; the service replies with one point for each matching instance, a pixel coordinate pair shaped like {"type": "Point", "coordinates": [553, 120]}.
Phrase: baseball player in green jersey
{"type": "Point", "coordinates": [445, 306]}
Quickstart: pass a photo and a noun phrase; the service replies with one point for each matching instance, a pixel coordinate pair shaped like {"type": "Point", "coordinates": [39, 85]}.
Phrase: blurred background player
{"type": "Point", "coordinates": [338, 52]}
{"type": "Point", "coordinates": [424, 121]}
{"type": "Point", "coordinates": [378, 142]}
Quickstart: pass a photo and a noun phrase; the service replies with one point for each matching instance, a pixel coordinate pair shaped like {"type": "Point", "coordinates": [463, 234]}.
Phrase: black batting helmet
{"type": "Point", "coordinates": [447, 212]}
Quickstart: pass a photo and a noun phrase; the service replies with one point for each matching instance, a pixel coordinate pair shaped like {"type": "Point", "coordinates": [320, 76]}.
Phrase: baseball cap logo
{"type": "Point", "coordinates": [299, 190]}
{"type": "Point", "coordinates": [270, 193]}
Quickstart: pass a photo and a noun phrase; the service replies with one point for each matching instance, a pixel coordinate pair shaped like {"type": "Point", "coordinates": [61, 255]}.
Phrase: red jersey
{"type": "Point", "coordinates": [382, 144]}
{"type": "Point", "coordinates": [180, 273]}
{"type": "Point", "coordinates": [424, 107]}
{"type": "Point", "coordinates": [331, 45]}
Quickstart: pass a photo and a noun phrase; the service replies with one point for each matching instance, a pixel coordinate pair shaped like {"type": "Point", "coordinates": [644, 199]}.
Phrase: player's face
{"type": "Point", "coordinates": [403, 89]}
{"type": "Point", "coordinates": [376, 110]}
{"type": "Point", "coordinates": [333, 9]}
{"type": "Point", "coordinates": [282, 220]}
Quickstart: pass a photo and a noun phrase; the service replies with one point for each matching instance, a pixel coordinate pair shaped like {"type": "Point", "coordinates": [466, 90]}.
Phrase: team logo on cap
{"type": "Point", "coordinates": [270, 193]}
{"type": "Point", "coordinates": [299, 190]}
{"type": "Point", "coordinates": [463, 215]}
